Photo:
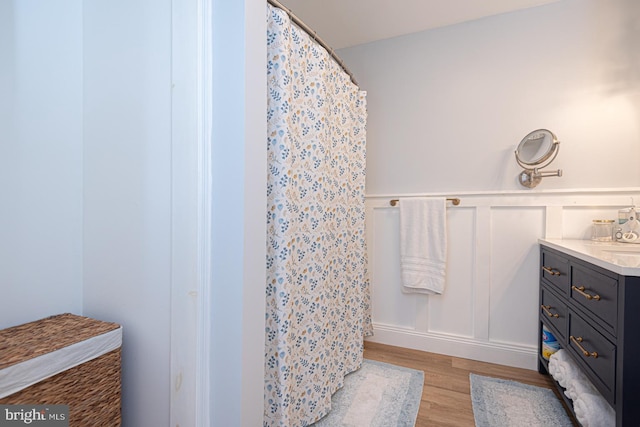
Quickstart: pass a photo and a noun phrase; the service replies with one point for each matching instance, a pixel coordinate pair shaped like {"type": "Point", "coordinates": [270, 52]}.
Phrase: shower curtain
{"type": "Point", "coordinates": [318, 304]}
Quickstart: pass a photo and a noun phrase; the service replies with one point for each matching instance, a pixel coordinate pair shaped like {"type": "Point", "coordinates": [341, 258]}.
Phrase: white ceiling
{"type": "Point", "coordinates": [344, 23]}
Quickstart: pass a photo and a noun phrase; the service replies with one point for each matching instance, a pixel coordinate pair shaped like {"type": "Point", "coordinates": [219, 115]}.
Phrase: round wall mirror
{"type": "Point", "coordinates": [536, 147]}
{"type": "Point", "coordinates": [536, 151]}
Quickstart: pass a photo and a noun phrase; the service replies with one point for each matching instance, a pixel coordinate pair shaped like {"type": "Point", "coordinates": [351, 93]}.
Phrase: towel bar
{"type": "Point", "coordinates": [455, 201]}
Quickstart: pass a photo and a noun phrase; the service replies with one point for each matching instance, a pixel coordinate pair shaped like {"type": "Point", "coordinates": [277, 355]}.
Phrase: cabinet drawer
{"type": "Point", "coordinates": [555, 312]}
{"type": "Point", "coordinates": [555, 269]}
{"type": "Point", "coordinates": [596, 293]}
{"type": "Point", "coordinates": [598, 354]}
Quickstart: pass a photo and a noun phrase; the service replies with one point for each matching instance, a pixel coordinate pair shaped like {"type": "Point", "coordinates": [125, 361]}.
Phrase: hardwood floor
{"type": "Point", "coordinates": [446, 398]}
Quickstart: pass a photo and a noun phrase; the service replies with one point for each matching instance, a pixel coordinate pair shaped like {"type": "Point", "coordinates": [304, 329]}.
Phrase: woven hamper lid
{"type": "Point", "coordinates": [33, 339]}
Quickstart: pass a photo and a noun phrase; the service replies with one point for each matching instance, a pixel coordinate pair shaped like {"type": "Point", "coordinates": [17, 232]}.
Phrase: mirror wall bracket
{"type": "Point", "coordinates": [536, 151]}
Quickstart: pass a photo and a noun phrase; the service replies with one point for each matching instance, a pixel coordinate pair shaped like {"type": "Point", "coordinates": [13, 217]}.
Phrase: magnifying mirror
{"type": "Point", "coordinates": [536, 151]}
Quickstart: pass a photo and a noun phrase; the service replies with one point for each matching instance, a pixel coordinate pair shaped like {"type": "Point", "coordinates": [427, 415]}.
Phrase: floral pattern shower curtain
{"type": "Point", "coordinates": [318, 305]}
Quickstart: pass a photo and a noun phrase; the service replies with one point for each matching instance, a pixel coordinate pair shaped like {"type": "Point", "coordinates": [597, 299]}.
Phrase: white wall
{"type": "Point", "coordinates": [127, 192]}
{"type": "Point", "coordinates": [40, 159]}
{"type": "Point", "coordinates": [114, 89]}
{"type": "Point", "coordinates": [448, 107]}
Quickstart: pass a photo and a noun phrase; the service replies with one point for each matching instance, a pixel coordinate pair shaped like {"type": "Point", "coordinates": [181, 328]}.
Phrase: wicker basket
{"type": "Point", "coordinates": [90, 388]}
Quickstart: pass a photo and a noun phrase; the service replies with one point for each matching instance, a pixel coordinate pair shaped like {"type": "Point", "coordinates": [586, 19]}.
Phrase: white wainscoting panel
{"type": "Point", "coordinates": [514, 274]}
{"type": "Point", "coordinates": [576, 221]}
{"type": "Point", "coordinates": [389, 304]}
{"type": "Point", "coordinates": [458, 294]}
{"type": "Point", "coordinates": [489, 307]}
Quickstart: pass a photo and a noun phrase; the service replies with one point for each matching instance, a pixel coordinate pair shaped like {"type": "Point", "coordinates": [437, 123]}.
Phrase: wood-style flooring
{"type": "Point", "coordinates": [446, 399]}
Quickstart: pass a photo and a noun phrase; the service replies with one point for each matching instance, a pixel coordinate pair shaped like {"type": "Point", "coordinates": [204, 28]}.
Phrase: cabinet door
{"type": "Point", "coordinates": [596, 293]}
{"type": "Point", "coordinates": [554, 313]}
{"type": "Point", "coordinates": [595, 353]}
{"type": "Point", "coordinates": [555, 270]}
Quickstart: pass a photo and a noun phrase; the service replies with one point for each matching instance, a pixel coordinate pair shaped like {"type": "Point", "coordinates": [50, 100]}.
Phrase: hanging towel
{"type": "Point", "coordinates": [423, 244]}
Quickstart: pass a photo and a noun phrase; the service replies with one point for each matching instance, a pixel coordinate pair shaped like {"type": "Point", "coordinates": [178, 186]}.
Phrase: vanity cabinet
{"type": "Point", "coordinates": [594, 314]}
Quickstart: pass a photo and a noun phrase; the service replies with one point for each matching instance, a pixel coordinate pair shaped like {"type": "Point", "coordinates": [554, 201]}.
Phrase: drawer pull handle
{"type": "Point", "coordinates": [551, 271]}
{"type": "Point", "coordinates": [577, 341]}
{"type": "Point", "coordinates": [581, 291]}
{"type": "Point", "coordinates": [546, 308]}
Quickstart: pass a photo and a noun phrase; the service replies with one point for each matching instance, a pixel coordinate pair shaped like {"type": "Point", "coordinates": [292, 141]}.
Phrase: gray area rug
{"type": "Point", "coordinates": [376, 395]}
{"type": "Point", "coordinates": [504, 403]}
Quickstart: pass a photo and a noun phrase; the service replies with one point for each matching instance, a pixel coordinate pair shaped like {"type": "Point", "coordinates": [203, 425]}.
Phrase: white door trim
{"type": "Point", "coordinates": [191, 56]}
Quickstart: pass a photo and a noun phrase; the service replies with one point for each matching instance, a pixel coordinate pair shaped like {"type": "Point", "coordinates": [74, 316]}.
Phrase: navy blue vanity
{"type": "Point", "coordinates": [590, 301]}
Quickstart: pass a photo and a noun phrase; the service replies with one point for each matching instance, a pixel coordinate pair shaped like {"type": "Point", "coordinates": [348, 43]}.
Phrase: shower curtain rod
{"type": "Point", "coordinates": [314, 36]}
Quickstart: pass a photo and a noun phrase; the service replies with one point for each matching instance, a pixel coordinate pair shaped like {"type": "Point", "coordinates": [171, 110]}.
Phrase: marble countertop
{"type": "Point", "coordinates": [621, 258]}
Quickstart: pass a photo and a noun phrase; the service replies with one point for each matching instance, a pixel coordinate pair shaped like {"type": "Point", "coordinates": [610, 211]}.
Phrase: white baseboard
{"type": "Point", "coordinates": [515, 355]}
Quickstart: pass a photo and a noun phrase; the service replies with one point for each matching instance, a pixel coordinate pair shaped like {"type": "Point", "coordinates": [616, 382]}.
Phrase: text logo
{"type": "Point", "coordinates": [34, 415]}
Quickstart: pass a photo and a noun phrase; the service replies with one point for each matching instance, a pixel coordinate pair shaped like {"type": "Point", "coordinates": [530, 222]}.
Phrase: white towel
{"type": "Point", "coordinates": [579, 386]}
{"type": "Point", "coordinates": [592, 410]}
{"type": "Point", "coordinates": [423, 244]}
{"type": "Point", "coordinates": [553, 367]}
{"type": "Point", "coordinates": [565, 370]}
